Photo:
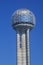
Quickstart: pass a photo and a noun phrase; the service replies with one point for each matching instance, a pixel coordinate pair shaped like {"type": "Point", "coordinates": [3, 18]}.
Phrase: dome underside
{"type": "Point", "coordinates": [23, 26]}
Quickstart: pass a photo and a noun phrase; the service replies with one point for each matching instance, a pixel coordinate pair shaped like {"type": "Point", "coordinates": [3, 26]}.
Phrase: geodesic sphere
{"type": "Point", "coordinates": [23, 15]}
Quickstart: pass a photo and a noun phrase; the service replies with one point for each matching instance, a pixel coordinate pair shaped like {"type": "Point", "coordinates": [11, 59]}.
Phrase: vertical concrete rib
{"type": "Point", "coordinates": [28, 48]}
{"type": "Point", "coordinates": [23, 48]}
{"type": "Point", "coordinates": [19, 54]}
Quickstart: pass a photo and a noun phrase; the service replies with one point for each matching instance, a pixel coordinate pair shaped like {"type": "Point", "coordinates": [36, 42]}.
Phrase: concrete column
{"type": "Point", "coordinates": [28, 48]}
{"type": "Point", "coordinates": [23, 37]}
{"type": "Point", "coordinates": [23, 51]}
{"type": "Point", "coordinates": [19, 51]}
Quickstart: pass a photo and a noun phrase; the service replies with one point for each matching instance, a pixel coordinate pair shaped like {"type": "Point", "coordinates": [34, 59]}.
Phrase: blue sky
{"type": "Point", "coordinates": [8, 35]}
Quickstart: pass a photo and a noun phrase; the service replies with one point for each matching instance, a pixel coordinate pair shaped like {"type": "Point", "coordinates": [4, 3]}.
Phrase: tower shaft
{"type": "Point", "coordinates": [23, 48]}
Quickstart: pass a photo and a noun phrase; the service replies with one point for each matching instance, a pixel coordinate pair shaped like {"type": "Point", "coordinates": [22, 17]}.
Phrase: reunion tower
{"type": "Point", "coordinates": [23, 21]}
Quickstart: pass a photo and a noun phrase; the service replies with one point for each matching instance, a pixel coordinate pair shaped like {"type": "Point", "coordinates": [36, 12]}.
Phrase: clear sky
{"type": "Point", "coordinates": [8, 35]}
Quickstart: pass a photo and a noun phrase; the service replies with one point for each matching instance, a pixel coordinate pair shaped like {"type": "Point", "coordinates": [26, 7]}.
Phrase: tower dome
{"type": "Point", "coordinates": [23, 18]}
